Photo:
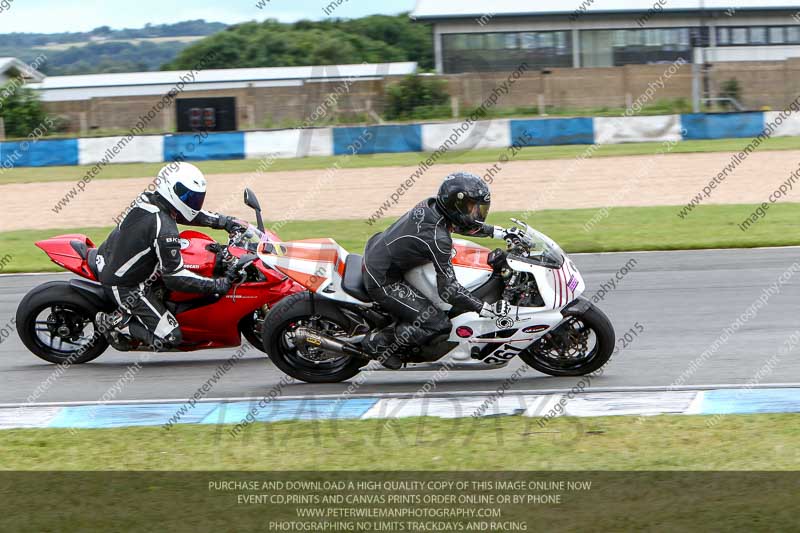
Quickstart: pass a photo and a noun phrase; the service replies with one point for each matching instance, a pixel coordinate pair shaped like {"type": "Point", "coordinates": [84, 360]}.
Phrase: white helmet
{"type": "Point", "coordinates": [184, 187]}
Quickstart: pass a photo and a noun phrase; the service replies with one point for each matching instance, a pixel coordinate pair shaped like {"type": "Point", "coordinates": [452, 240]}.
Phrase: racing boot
{"type": "Point", "coordinates": [111, 325]}
{"type": "Point", "coordinates": [108, 322]}
{"type": "Point", "coordinates": [382, 346]}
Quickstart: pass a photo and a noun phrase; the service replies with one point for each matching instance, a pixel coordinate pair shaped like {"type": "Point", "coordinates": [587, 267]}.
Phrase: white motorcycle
{"type": "Point", "coordinates": [314, 335]}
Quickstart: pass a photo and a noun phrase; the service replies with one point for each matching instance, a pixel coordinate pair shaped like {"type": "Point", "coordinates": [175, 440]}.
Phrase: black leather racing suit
{"type": "Point", "coordinates": [420, 236]}
{"type": "Point", "coordinates": [145, 243]}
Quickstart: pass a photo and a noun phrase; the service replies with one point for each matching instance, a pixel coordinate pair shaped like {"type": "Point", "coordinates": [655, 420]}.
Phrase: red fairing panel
{"type": "Point", "coordinates": [61, 252]}
{"type": "Point", "coordinates": [196, 256]}
{"type": "Point", "coordinates": [217, 325]}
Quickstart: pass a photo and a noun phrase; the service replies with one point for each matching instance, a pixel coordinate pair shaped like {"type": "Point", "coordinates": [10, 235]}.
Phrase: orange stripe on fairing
{"type": "Point", "coordinates": [471, 256]}
{"type": "Point", "coordinates": [319, 254]}
{"type": "Point", "coordinates": [309, 281]}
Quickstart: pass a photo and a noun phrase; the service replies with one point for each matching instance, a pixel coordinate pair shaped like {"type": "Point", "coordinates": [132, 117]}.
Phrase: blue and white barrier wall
{"type": "Point", "coordinates": [391, 138]}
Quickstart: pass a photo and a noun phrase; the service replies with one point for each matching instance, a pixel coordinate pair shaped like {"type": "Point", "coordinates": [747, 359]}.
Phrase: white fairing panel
{"type": "Point", "coordinates": [558, 287]}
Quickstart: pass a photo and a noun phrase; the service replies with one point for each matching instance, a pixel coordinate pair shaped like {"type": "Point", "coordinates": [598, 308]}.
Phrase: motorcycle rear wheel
{"type": "Point", "coordinates": [554, 354]}
{"type": "Point", "coordinates": [51, 319]}
{"type": "Point", "coordinates": [324, 316]}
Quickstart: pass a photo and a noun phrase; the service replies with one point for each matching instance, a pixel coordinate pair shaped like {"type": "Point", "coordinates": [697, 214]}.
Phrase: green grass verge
{"type": "Point", "coordinates": [137, 170]}
{"type": "Point", "coordinates": [625, 229]}
{"type": "Point", "coordinates": [694, 479]}
{"type": "Point", "coordinates": [741, 442]}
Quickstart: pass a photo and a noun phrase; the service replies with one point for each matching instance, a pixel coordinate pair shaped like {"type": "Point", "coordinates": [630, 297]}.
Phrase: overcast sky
{"type": "Point", "coordinates": [50, 16]}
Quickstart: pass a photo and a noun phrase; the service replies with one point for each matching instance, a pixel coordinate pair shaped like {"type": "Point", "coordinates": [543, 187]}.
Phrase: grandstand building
{"type": "Point", "coordinates": [476, 36]}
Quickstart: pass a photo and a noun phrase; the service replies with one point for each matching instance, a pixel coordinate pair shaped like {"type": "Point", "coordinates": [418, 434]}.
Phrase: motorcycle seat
{"type": "Point", "coordinates": [80, 248]}
{"type": "Point", "coordinates": [353, 280]}
{"type": "Point", "coordinates": [87, 254]}
{"type": "Point", "coordinates": [91, 261]}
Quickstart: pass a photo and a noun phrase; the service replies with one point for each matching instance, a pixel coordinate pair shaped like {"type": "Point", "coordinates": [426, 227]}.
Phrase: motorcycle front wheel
{"type": "Point", "coordinates": [579, 346]}
{"type": "Point", "coordinates": [312, 365]}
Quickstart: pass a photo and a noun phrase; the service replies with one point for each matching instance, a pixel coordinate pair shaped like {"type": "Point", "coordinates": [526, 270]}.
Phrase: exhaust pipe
{"type": "Point", "coordinates": [304, 337]}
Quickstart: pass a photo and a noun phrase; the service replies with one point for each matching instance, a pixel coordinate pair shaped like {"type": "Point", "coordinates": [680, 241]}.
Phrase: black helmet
{"type": "Point", "coordinates": [464, 199]}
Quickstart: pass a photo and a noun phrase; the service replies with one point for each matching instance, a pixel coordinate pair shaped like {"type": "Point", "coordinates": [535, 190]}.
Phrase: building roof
{"type": "Point", "coordinates": [58, 88]}
{"type": "Point", "coordinates": [443, 9]}
{"type": "Point", "coordinates": [28, 72]}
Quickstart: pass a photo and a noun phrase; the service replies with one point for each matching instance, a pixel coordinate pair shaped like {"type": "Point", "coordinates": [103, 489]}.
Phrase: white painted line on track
{"type": "Point", "coordinates": [442, 394]}
{"type": "Point", "coordinates": [697, 403]}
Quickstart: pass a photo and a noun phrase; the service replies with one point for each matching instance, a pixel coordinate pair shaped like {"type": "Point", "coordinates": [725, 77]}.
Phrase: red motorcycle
{"type": "Point", "coordinates": [56, 319]}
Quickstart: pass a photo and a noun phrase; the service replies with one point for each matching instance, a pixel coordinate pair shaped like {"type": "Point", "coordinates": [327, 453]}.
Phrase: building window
{"type": "Point", "coordinates": [609, 48]}
{"type": "Point", "coordinates": [505, 51]}
{"type": "Point", "coordinates": [776, 35]}
{"type": "Point", "coordinates": [739, 36]}
{"type": "Point", "coordinates": [475, 41]}
{"type": "Point", "coordinates": [758, 35]}
{"type": "Point", "coordinates": [723, 36]}
{"type": "Point", "coordinates": [685, 37]}
{"type": "Point", "coordinates": [561, 40]}
{"type": "Point", "coordinates": [495, 41]}
{"type": "Point", "coordinates": [529, 41]}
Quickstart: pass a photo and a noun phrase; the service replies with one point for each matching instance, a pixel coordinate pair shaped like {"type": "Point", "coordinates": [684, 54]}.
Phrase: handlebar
{"type": "Point", "coordinates": [241, 238]}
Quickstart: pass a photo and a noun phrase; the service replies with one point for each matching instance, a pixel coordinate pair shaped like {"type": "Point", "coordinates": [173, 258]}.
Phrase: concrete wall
{"type": "Point", "coordinates": [257, 107]}
{"type": "Point", "coordinates": [772, 84]}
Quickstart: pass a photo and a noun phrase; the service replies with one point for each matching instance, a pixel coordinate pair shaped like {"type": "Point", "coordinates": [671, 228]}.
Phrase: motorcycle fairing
{"type": "Point", "coordinates": [319, 264]}
{"type": "Point", "coordinates": [61, 251]}
{"type": "Point", "coordinates": [470, 255]}
{"type": "Point", "coordinates": [316, 264]}
{"type": "Point", "coordinates": [557, 286]}
{"type": "Point", "coordinates": [506, 347]}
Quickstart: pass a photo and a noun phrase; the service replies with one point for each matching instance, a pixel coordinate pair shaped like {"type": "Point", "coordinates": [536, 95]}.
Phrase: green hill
{"type": "Point", "coordinates": [374, 39]}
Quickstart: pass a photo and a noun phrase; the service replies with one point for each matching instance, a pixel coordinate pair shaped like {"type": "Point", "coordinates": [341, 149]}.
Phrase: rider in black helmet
{"type": "Point", "coordinates": [422, 236]}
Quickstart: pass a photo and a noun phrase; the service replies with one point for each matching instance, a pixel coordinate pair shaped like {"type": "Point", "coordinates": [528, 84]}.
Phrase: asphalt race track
{"type": "Point", "coordinates": [682, 299]}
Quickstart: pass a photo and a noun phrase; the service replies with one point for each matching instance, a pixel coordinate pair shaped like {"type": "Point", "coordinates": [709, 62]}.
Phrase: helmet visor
{"type": "Point", "coordinates": [192, 199]}
{"type": "Point", "coordinates": [474, 211]}
{"type": "Point", "coordinates": [483, 211]}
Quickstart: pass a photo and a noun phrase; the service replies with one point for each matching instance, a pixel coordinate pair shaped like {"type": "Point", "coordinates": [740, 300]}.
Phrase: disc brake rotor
{"type": "Point", "coordinates": [568, 342]}
{"type": "Point", "coordinates": [64, 325]}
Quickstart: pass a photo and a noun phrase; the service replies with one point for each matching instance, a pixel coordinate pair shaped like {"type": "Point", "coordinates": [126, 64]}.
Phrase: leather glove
{"type": "Point", "coordinates": [499, 308]}
{"type": "Point", "coordinates": [514, 237]}
{"type": "Point", "coordinates": [230, 271]}
{"type": "Point", "coordinates": [222, 285]}
{"type": "Point", "coordinates": [231, 224]}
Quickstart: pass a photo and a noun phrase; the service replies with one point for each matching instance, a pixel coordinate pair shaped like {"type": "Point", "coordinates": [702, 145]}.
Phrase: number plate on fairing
{"type": "Point", "coordinates": [502, 355]}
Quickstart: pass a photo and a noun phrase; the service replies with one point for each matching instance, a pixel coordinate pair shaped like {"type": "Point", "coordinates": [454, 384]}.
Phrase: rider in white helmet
{"type": "Point", "coordinates": [147, 242]}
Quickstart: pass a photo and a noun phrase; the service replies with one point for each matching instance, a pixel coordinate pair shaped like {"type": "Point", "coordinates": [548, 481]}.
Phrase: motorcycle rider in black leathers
{"type": "Point", "coordinates": [145, 244]}
{"type": "Point", "coordinates": [423, 236]}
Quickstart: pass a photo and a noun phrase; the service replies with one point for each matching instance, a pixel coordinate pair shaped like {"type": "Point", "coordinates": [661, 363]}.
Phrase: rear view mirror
{"type": "Point", "coordinates": [250, 199]}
